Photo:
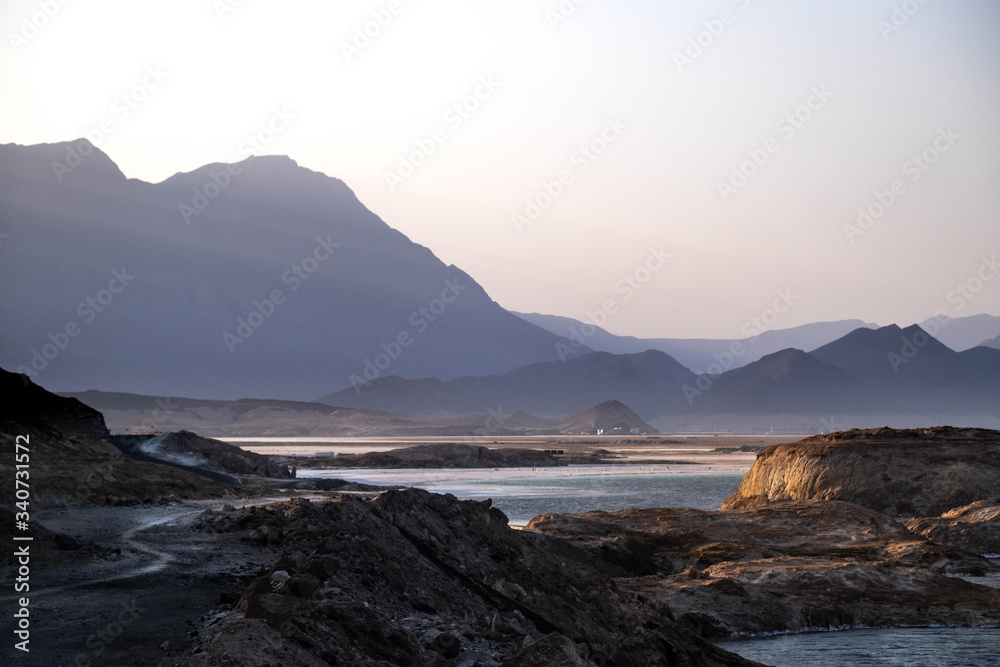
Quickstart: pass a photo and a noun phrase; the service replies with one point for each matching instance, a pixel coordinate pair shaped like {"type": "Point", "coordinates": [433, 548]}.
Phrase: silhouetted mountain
{"type": "Point", "coordinates": [962, 333]}
{"type": "Point", "coordinates": [993, 342]}
{"type": "Point", "coordinates": [912, 368]}
{"type": "Point", "coordinates": [608, 418]}
{"type": "Point", "coordinates": [701, 354]}
{"type": "Point", "coordinates": [786, 382]}
{"type": "Point", "coordinates": [260, 278]}
{"type": "Point", "coordinates": [650, 382]}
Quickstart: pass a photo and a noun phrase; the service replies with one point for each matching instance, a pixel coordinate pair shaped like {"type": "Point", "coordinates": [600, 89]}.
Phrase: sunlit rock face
{"type": "Point", "coordinates": [922, 472]}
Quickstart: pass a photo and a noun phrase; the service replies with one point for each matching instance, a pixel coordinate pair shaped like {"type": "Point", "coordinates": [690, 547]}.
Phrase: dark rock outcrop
{"type": "Point", "coordinates": [922, 472]}
{"type": "Point", "coordinates": [191, 449]}
{"type": "Point", "coordinates": [70, 462]}
{"type": "Point", "coordinates": [386, 581]}
{"type": "Point", "coordinates": [446, 455]}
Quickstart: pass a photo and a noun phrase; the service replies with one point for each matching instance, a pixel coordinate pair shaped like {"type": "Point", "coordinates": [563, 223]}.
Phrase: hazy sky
{"type": "Point", "coordinates": [832, 99]}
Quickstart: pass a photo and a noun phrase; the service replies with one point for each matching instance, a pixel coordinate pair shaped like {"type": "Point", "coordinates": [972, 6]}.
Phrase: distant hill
{"type": "Point", "coordinates": [789, 381]}
{"type": "Point", "coordinates": [917, 371]}
{"type": "Point", "coordinates": [651, 382]}
{"type": "Point", "coordinates": [700, 354]}
{"type": "Point", "coordinates": [608, 418]}
{"type": "Point", "coordinates": [260, 278]}
{"type": "Point", "coordinates": [993, 342]}
{"type": "Point", "coordinates": [134, 413]}
{"type": "Point", "coordinates": [962, 333]}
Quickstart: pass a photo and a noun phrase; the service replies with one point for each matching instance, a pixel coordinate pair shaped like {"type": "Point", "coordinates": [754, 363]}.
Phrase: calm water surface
{"type": "Point", "coordinates": [902, 647]}
{"type": "Point", "coordinates": [523, 493]}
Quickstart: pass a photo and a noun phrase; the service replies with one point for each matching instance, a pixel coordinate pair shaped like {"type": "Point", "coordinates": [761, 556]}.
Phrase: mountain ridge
{"type": "Point", "coordinates": [281, 284]}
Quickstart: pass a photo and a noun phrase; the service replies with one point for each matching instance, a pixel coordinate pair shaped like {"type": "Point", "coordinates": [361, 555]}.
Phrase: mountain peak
{"type": "Point", "coordinates": [76, 163]}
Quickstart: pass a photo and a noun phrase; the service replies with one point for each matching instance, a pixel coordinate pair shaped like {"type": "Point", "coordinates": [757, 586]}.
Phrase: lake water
{"type": "Point", "coordinates": [522, 493]}
{"type": "Point", "coordinates": [900, 647]}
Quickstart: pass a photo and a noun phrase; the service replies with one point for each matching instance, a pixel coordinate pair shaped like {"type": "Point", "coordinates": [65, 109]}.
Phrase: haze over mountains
{"type": "Point", "coordinates": [888, 375]}
{"type": "Point", "coordinates": [701, 353]}
{"type": "Point", "coordinates": [270, 281]}
{"type": "Point", "coordinates": [260, 279]}
{"type": "Point", "coordinates": [757, 340]}
{"type": "Point", "coordinates": [650, 383]}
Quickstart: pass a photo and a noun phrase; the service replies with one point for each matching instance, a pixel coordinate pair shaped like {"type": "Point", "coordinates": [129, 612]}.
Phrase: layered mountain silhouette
{"type": "Point", "coordinates": [702, 354]}
{"type": "Point", "coordinates": [651, 383]}
{"type": "Point", "coordinates": [260, 279]}
{"type": "Point", "coordinates": [992, 342]}
{"type": "Point", "coordinates": [790, 381]}
{"type": "Point", "coordinates": [962, 333]}
{"type": "Point", "coordinates": [887, 375]}
{"type": "Point", "coordinates": [916, 370]}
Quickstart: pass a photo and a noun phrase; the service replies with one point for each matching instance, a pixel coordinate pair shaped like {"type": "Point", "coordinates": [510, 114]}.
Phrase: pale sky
{"type": "Point", "coordinates": [201, 76]}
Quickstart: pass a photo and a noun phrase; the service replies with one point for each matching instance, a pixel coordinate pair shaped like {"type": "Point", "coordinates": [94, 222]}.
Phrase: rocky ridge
{"type": "Point", "coordinates": [922, 472]}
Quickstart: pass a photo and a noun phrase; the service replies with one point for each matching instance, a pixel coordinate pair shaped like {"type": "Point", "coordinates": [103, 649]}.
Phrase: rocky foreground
{"type": "Point", "coordinates": [414, 578]}
{"type": "Point", "coordinates": [406, 577]}
{"type": "Point", "coordinates": [787, 566]}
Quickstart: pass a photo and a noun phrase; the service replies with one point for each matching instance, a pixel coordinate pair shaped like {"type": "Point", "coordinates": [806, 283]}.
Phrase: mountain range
{"type": "Point", "coordinates": [260, 279]}
{"type": "Point", "coordinates": [268, 280]}
{"type": "Point", "coordinates": [872, 376]}
{"type": "Point", "coordinates": [701, 354]}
